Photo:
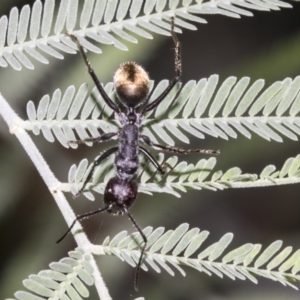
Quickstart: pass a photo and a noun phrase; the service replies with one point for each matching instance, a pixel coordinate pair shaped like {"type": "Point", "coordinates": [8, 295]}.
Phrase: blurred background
{"type": "Point", "coordinates": [264, 46]}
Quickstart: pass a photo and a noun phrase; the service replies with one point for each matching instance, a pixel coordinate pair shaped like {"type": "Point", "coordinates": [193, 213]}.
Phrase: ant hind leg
{"type": "Point", "coordinates": [98, 84]}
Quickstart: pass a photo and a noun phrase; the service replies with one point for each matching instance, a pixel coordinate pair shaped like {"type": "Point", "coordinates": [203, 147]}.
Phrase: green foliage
{"type": "Point", "coordinates": [196, 108]}
{"type": "Point", "coordinates": [174, 248]}
{"type": "Point", "coordinates": [232, 108]}
{"type": "Point", "coordinates": [28, 32]}
{"type": "Point", "coordinates": [66, 277]}
{"type": "Point", "coordinates": [167, 250]}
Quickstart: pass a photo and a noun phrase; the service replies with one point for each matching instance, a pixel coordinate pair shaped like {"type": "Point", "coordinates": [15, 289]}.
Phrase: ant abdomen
{"type": "Point", "coordinates": [118, 194]}
{"type": "Point", "coordinates": [131, 83]}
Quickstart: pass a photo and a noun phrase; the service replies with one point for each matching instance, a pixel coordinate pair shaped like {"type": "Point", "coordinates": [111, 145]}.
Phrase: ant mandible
{"type": "Point", "coordinates": [131, 83]}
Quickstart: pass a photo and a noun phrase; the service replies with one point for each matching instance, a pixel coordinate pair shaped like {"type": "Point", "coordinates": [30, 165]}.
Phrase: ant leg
{"type": "Point", "coordinates": [81, 217]}
{"type": "Point", "coordinates": [101, 90]}
{"type": "Point", "coordinates": [137, 272]}
{"type": "Point", "coordinates": [178, 64]}
{"type": "Point", "coordinates": [170, 148]}
{"type": "Point", "coordinates": [159, 168]}
{"type": "Point", "coordinates": [95, 164]}
{"type": "Point", "coordinates": [99, 139]}
{"type": "Point", "coordinates": [178, 72]}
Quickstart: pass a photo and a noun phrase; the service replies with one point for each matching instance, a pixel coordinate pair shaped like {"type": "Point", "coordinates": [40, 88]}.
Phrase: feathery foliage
{"type": "Point", "coordinates": [198, 108]}
{"type": "Point", "coordinates": [167, 250]}
{"type": "Point", "coordinates": [67, 279]}
{"type": "Point", "coordinates": [230, 109]}
{"type": "Point", "coordinates": [32, 33]}
{"type": "Point", "coordinates": [183, 176]}
{"type": "Point", "coordinates": [174, 248]}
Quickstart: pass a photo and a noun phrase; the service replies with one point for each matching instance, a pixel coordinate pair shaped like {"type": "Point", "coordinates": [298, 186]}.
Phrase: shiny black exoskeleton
{"type": "Point", "coordinates": [131, 83]}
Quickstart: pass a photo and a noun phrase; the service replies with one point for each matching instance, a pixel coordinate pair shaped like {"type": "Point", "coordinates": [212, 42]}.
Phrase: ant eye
{"type": "Point", "coordinates": [132, 84]}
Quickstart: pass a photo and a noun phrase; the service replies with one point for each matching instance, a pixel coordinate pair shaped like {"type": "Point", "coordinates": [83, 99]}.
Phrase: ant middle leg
{"type": "Point", "coordinates": [102, 138]}
{"type": "Point", "coordinates": [170, 148]}
{"type": "Point", "coordinates": [95, 164]}
{"type": "Point", "coordinates": [160, 168]}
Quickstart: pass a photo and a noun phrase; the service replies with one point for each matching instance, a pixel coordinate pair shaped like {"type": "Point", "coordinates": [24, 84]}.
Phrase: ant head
{"type": "Point", "coordinates": [131, 83]}
{"type": "Point", "coordinates": [119, 194]}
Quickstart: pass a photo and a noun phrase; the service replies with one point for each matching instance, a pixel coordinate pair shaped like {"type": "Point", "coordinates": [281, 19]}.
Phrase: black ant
{"type": "Point", "coordinates": [131, 83]}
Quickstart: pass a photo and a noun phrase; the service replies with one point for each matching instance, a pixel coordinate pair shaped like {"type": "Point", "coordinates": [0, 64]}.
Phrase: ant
{"type": "Point", "coordinates": [131, 83]}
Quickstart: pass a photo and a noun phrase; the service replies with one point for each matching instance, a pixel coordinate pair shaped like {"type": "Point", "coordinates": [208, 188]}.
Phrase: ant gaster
{"type": "Point", "coordinates": [131, 84]}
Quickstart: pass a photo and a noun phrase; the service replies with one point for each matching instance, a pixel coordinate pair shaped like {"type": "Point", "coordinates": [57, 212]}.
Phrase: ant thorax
{"type": "Point", "coordinates": [127, 118]}
{"type": "Point", "coordinates": [126, 160]}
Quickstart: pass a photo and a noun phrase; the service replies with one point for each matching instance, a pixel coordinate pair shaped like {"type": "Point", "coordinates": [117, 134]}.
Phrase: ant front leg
{"type": "Point", "coordinates": [97, 161]}
{"type": "Point", "coordinates": [98, 84]}
{"type": "Point", "coordinates": [178, 73]}
{"type": "Point", "coordinates": [102, 138]}
{"type": "Point", "coordinates": [170, 148]}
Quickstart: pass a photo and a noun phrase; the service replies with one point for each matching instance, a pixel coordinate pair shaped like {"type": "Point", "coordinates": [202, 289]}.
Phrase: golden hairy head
{"type": "Point", "coordinates": [131, 83]}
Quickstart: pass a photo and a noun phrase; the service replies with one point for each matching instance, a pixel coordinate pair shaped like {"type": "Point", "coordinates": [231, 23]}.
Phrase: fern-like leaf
{"type": "Point", "coordinates": [67, 279]}
{"type": "Point", "coordinates": [28, 33]}
{"type": "Point", "coordinates": [197, 108]}
{"type": "Point", "coordinates": [184, 176]}
{"type": "Point", "coordinates": [174, 248]}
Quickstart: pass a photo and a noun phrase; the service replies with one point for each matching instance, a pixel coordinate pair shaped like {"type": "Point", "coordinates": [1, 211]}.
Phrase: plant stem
{"type": "Point", "coordinates": [15, 123]}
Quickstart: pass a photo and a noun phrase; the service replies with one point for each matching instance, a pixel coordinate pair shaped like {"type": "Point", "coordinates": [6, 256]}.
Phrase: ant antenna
{"type": "Point", "coordinates": [81, 217]}
{"type": "Point", "coordinates": [138, 268]}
